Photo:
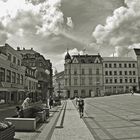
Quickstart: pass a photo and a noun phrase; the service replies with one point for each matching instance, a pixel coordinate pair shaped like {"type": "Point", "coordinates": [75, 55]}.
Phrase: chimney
{"type": "Point", "coordinates": [31, 48]}
{"type": "Point", "coordinates": [23, 48]}
{"type": "Point", "coordinates": [18, 48]}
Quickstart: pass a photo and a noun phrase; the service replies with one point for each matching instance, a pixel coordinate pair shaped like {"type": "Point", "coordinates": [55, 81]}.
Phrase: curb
{"type": "Point", "coordinates": [61, 117]}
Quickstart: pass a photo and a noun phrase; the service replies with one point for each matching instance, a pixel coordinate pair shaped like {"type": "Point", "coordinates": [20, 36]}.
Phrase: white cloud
{"type": "Point", "coordinates": [122, 29]}
{"type": "Point", "coordinates": [32, 17]}
{"type": "Point", "coordinates": [69, 22]}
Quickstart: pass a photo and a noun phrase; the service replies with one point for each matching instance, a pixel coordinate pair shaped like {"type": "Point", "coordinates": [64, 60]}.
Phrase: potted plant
{"type": "Point", "coordinates": [7, 130]}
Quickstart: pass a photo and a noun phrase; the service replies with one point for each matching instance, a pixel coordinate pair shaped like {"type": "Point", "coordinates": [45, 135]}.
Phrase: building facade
{"type": "Point", "coordinates": [43, 69]}
{"type": "Point", "coordinates": [120, 75]}
{"type": "Point", "coordinates": [93, 75]}
{"type": "Point", "coordinates": [31, 83]}
{"type": "Point", "coordinates": [83, 75]}
{"type": "Point", "coordinates": [58, 84]}
{"type": "Point", "coordinates": [12, 75]}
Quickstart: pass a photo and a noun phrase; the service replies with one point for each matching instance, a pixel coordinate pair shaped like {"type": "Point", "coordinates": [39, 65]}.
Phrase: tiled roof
{"type": "Point", "coordinates": [118, 59]}
{"type": "Point", "coordinates": [87, 58]}
{"type": "Point", "coordinates": [29, 51]}
{"type": "Point", "coordinates": [137, 51]}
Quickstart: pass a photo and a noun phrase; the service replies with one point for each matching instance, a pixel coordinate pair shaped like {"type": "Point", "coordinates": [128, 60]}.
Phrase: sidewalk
{"type": "Point", "coordinates": [44, 130]}
{"type": "Point", "coordinates": [74, 127]}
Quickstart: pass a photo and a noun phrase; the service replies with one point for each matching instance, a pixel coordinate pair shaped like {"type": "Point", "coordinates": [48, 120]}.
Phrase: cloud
{"type": "Point", "coordinates": [121, 29]}
{"type": "Point", "coordinates": [32, 18]}
{"type": "Point", "coordinates": [69, 22]}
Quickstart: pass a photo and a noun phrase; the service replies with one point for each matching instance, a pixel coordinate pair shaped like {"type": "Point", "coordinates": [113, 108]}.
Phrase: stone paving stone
{"type": "Point", "coordinates": [116, 117]}
{"type": "Point", "coordinates": [101, 134]}
{"type": "Point", "coordinates": [120, 123]}
{"type": "Point", "coordinates": [74, 128]}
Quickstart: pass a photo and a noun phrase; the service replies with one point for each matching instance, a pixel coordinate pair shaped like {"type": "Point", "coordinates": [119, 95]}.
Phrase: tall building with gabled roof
{"type": "Point", "coordinates": [83, 75]}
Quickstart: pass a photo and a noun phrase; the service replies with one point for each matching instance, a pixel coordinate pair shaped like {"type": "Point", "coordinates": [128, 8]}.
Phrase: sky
{"type": "Point", "coordinates": [51, 27]}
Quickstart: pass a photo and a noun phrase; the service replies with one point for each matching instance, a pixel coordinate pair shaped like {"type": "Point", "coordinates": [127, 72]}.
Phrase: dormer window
{"type": "Point", "coordinates": [82, 61]}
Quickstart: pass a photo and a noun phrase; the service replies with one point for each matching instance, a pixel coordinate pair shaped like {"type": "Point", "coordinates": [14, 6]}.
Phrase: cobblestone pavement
{"type": "Point", "coordinates": [113, 117]}
{"type": "Point", "coordinates": [74, 127]}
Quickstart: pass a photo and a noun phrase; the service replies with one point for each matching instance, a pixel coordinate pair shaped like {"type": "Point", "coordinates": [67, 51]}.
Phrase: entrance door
{"type": "Point", "coordinates": [68, 94]}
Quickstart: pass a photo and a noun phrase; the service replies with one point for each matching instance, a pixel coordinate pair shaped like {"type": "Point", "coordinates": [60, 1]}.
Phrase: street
{"type": "Point", "coordinates": [113, 117]}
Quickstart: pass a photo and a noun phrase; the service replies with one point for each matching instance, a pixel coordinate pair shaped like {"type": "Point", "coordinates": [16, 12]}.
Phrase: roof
{"type": "Point", "coordinates": [114, 59]}
{"type": "Point", "coordinates": [67, 56]}
{"type": "Point", "coordinates": [27, 51]}
{"type": "Point", "coordinates": [137, 51]}
{"type": "Point", "coordinates": [87, 58]}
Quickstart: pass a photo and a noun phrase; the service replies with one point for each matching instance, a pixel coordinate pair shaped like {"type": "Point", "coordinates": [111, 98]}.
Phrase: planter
{"type": "Point", "coordinates": [8, 133]}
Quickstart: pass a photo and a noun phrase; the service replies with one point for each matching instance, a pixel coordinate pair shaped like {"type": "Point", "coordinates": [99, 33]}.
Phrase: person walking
{"type": "Point", "coordinates": [51, 102]}
{"type": "Point", "coordinates": [81, 107]}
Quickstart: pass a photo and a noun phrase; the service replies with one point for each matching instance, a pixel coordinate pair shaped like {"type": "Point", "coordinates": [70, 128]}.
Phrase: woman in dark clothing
{"type": "Point", "coordinates": [81, 107]}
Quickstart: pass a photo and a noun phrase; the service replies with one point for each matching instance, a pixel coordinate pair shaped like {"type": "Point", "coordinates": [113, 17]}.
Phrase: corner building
{"type": "Point", "coordinates": [12, 75]}
{"type": "Point", "coordinates": [83, 75]}
{"type": "Point", "coordinates": [120, 75]}
{"type": "Point", "coordinates": [93, 75]}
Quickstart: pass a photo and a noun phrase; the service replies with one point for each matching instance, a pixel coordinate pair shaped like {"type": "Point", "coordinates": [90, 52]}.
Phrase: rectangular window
{"type": "Point", "coordinates": [125, 65]}
{"type": "Point", "coordinates": [13, 77]}
{"type": "Point", "coordinates": [105, 65]}
{"type": "Point", "coordinates": [134, 72]}
{"type": "Point", "coordinates": [69, 81]}
{"type": "Point", "coordinates": [14, 59]}
{"type": "Point", "coordinates": [125, 72]}
{"type": "Point", "coordinates": [106, 72]}
{"type": "Point", "coordinates": [65, 81]}
{"type": "Point", "coordinates": [97, 71]}
{"type": "Point", "coordinates": [97, 79]}
{"type": "Point", "coordinates": [115, 80]}
{"type": "Point", "coordinates": [120, 72]}
{"type": "Point", "coordinates": [65, 71]}
{"type": "Point", "coordinates": [134, 80]}
{"type": "Point", "coordinates": [121, 80]}
{"type": "Point", "coordinates": [21, 79]}
{"type": "Point", "coordinates": [90, 80]}
{"type": "Point", "coordinates": [120, 65]}
{"type": "Point", "coordinates": [115, 72]}
{"type": "Point", "coordinates": [8, 77]}
{"type": "Point", "coordinates": [90, 71]}
{"type": "Point", "coordinates": [130, 80]}
{"type": "Point", "coordinates": [83, 71]}
{"type": "Point", "coordinates": [110, 72]}
{"type": "Point", "coordinates": [110, 65]}
{"type": "Point", "coordinates": [129, 65]}
{"type": "Point", "coordinates": [83, 81]}
{"type": "Point", "coordinates": [18, 78]}
{"type": "Point", "coordinates": [130, 72]}
{"type": "Point", "coordinates": [75, 71]}
{"type": "Point", "coordinates": [9, 56]}
{"type": "Point", "coordinates": [18, 62]}
{"type": "Point", "coordinates": [75, 81]}
{"type": "Point", "coordinates": [106, 80]}
{"type": "Point", "coordinates": [134, 66]}
{"type": "Point", "coordinates": [126, 80]}
{"type": "Point", "coordinates": [110, 80]}
{"type": "Point", "coordinates": [2, 75]}
{"type": "Point", "coordinates": [115, 65]}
